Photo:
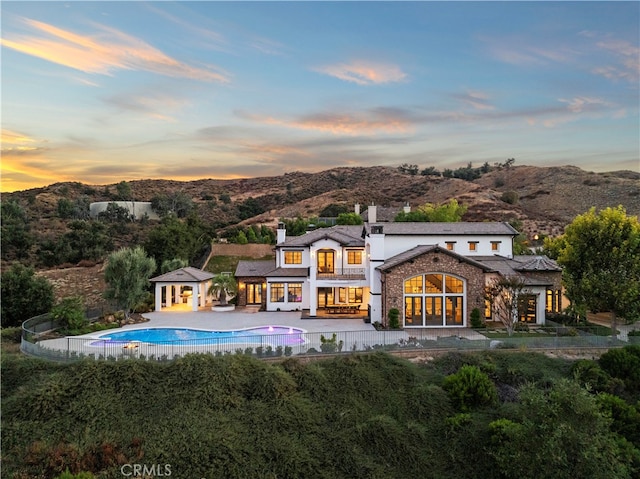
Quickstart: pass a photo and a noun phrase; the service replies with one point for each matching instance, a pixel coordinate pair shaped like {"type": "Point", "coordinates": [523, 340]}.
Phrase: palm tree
{"type": "Point", "coordinates": [222, 286]}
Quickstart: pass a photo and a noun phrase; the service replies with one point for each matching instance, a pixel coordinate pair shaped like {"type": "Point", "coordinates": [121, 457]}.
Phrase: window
{"type": "Point", "coordinates": [527, 308]}
{"type": "Point", "coordinates": [354, 257]}
{"type": "Point", "coordinates": [325, 261]}
{"type": "Point", "coordinates": [451, 245]}
{"type": "Point", "coordinates": [355, 295]}
{"type": "Point", "coordinates": [495, 245]}
{"type": "Point", "coordinates": [434, 299]}
{"type": "Point", "coordinates": [473, 246]}
{"type": "Point", "coordinates": [488, 310]}
{"type": "Point", "coordinates": [413, 285]}
{"type": "Point", "coordinates": [277, 292]}
{"type": "Point", "coordinates": [254, 293]}
{"type": "Point", "coordinates": [554, 301]}
{"type": "Point", "coordinates": [293, 257]}
{"type": "Point", "coordinates": [294, 292]}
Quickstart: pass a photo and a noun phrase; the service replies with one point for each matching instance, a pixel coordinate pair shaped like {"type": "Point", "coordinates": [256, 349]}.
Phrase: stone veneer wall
{"type": "Point", "coordinates": [434, 262]}
{"type": "Point", "coordinates": [242, 293]}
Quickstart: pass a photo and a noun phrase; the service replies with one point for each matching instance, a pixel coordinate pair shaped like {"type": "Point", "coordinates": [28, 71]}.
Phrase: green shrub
{"type": "Point", "coordinates": [331, 345]}
{"type": "Point", "coordinates": [11, 335]}
{"type": "Point", "coordinates": [476, 319]}
{"type": "Point", "coordinates": [623, 364]}
{"type": "Point", "coordinates": [394, 315]}
{"type": "Point", "coordinates": [69, 313]}
{"type": "Point", "coordinates": [469, 388]}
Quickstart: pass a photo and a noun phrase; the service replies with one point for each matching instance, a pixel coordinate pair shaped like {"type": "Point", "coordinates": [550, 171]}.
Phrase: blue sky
{"type": "Point", "coordinates": [100, 92]}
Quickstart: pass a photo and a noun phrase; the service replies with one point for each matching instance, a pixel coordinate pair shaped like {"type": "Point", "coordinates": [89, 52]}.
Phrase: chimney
{"type": "Point", "coordinates": [407, 208]}
{"type": "Point", "coordinates": [372, 214]}
{"type": "Point", "coordinates": [356, 209]}
{"type": "Point", "coordinates": [281, 233]}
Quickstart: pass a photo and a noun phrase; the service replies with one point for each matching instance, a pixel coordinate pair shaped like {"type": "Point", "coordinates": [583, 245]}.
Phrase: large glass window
{"type": "Point", "coordinates": [354, 257]}
{"type": "Point", "coordinates": [294, 292]}
{"type": "Point", "coordinates": [413, 285]}
{"type": "Point", "coordinates": [277, 292]}
{"type": "Point", "coordinates": [434, 299]}
{"type": "Point", "coordinates": [293, 257]}
{"type": "Point", "coordinates": [355, 295]}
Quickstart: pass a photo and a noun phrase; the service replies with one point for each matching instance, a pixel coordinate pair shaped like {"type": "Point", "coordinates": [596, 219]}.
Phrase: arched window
{"type": "Point", "coordinates": [434, 299]}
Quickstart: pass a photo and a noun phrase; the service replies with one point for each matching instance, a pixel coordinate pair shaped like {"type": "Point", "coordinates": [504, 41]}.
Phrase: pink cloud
{"type": "Point", "coordinates": [364, 72]}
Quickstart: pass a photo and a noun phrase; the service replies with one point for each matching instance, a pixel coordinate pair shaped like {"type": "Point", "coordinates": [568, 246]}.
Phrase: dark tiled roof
{"type": "Point", "coordinates": [254, 268]}
{"type": "Point", "coordinates": [422, 249]}
{"type": "Point", "coordinates": [459, 228]}
{"type": "Point", "coordinates": [512, 267]}
{"type": "Point", "coordinates": [268, 268]}
{"type": "Point", "coordinates": [536, 263]}
{"type": "Point", "coordinates": [186, 275]}
{"type": "Point", "coordinates": [346, 235]}
{"type": "Point", "coordinates": [293, 272]}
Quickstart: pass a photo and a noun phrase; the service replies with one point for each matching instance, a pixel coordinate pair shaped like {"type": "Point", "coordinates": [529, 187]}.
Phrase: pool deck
{"type": "Point", "coordinates": [354, 333]}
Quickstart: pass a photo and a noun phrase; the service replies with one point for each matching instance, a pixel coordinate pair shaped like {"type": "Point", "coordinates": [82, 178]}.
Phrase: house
{"type": "Point", "coordinates": [435, 274]}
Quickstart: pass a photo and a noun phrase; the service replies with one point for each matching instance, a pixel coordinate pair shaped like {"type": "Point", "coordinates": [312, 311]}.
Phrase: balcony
{"type": "Point", "coordinates": [341, 273]}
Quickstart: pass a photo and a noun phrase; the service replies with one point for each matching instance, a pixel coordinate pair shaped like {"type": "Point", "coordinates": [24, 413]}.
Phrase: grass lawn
{"type": "Point", "coordinates": [221, 264]}
{"type": "Point", "coordinates": [547, 331]}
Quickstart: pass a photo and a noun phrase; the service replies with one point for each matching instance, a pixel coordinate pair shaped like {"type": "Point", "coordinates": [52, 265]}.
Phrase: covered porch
{"type": "Point", "coordinates": [185, 287]}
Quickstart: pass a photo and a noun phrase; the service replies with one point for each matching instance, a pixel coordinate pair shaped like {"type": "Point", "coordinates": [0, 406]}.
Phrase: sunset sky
{"type": "Point", "coordinates": [100, 92]}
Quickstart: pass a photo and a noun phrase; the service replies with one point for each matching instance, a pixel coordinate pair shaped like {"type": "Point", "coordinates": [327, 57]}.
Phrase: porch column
{"type": "Point", "coordinates": [202, 294]}
{"type": "Point", "coordinates": [168, 294]}
{"type": "Point", "coordinates": [176, 292]}
{"type": "Point", "coordinates": [194, 296]}
{"type": "Point", "coordinates": [158, 297]}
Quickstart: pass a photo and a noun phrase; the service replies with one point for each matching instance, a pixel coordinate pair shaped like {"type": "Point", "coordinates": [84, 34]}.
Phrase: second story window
{"type": "Point", "coordinates": [293, 257]}
{"type": "Point", "coordinates": [451, 245]}
{"type": "Point", "coordinates": [473, 246]}
{"type": "Point", "coordinates": [354, 257]}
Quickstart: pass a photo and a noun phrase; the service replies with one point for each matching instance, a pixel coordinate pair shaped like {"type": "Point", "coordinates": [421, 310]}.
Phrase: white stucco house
{"type": "Point", "coordinates": [435, 274]}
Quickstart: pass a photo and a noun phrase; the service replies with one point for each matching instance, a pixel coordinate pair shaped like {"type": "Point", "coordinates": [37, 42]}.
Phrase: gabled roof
{"type": "Point", "coordinates": [346, 235]}
{"type": "Point", "coordinates": [423, 249]}
{"type": "Point", "coordinates": [443, 229]}
{"type": "Point", "coordinates": [183, 275]}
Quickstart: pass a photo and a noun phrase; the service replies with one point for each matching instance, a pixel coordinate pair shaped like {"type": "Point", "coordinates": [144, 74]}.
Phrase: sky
{"type": "Point", "coordinates": [101, 92]}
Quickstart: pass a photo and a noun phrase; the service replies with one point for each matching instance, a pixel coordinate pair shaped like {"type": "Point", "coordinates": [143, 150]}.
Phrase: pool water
{"type": "Point", "coordinates": [283, 335]}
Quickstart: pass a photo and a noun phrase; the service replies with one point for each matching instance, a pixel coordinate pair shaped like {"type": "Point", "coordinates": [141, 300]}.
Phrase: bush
{"type": "Point", "coordinates": [623, 364]}
{"type": "Point", "coordinates": [80, 475]}
{"type": "Point", "coordinates": [470, 387]}
{"type": "Point", "coordinates": [510, 197]}
{"type": "Point", "coordinates": [69, 313]}
{"type": "Point", "coordinates": [476, 319]}
{"type": "Point", "coordinates": [12, 335]}
{"type": "Point", "coordinates": [24, 295]}
{"type": "Point", "coordinates": [330, 345]}
{"type": "Point", "coordinates": [394, 322]}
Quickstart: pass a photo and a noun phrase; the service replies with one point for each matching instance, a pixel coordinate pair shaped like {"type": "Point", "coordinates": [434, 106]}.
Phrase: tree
{"type": "Point", "coordinates": [127, 276]}
{"type": "Point", "coordinates": [222, 286]}
{"type": "Point", "coordinates": [571, 433]}
{"type": "Point", "coordinates": [15, 237]}
{"type": "Point", "coordinates": [123, 190]}
{"type": "Point", "coordinates": [24, 295]}
{"type": "Point", "coordinates": [349, 219]}
{"type": "Point", "coordinates": [86, 240]}
{"type": "Point", "coordinates": [175, 238]}
{"type": "Point", "coordinates": [449, 212]}
{"type": "Point", "coordinates": [600, 253]}
{"type": "Point", "coordinates": [505, 295]}
{"type": "Point", "coordinates": [173, 264]}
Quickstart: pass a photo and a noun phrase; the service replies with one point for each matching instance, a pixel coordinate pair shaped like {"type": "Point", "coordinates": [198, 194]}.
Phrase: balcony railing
{"type": "Point", "coordinates": [341, 273]}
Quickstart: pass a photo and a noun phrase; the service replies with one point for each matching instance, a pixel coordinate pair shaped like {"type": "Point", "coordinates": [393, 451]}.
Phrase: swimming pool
{"type": "Point", "coordinates": [281, 335]}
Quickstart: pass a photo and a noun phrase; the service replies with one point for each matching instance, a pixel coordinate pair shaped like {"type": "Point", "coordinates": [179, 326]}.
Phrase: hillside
{"type": "Point", "coordinates": [549, 198]}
